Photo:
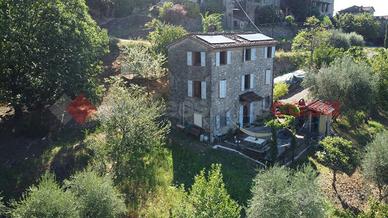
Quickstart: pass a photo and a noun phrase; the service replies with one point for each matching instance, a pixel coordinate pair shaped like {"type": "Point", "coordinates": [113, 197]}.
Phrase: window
{"type": "Point", "coordinates": [269, 52]}
{"type": "Point", "coordinates": [247, 54]}
{"type": "Point", "coordinates": [197, 58]}
{"type": "Point", "coordinates": [267, 102]}
{"type": "Point", "coordinates": [218, 122]}
{"type": "Point", "coordinates": [268, 77]}
{"type": "Point", "coordinates": [247, 81]}
{"type": "Point", "coordinates": [198, 119]}
{"type": "Point", "coordinates": [222, 88]}
{"type": "Point", "coordinates": [223, 57]}
{"type": "Point", "coordinates": [228, 118]}
{"type": "Point", "coordinates": [197, 89]}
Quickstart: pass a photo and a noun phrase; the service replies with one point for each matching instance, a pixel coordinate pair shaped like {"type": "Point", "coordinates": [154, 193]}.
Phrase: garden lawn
{"type": "Point", "coordinates": [190, 157]}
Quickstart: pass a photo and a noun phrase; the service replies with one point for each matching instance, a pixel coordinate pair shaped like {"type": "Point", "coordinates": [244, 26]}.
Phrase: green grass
{"type": "Point", "coordinates": [189, 160]}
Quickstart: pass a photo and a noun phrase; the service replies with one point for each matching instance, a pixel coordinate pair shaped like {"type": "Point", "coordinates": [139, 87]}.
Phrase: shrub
{"type": "Point", "coordinates": [290, 20]}
{"type": "Point", "coordinates": [164, 8]}
{"type": "Point", "coordinates": [356, 39]}
{"type": "Point", "coordinates": [286, 62]}
{"type": "Point", "coordinates": [47, 199]}
{"type": "Point", "coordinates": [192, 8]}
{"type": "Point", "coordinates": [357, 118]}
{"type": "Point", "coordinates": [280, 90]}
{"type": "Point", "coordinates": [211, 22]}
{"type": "Point", "coordinates": [339, 39]}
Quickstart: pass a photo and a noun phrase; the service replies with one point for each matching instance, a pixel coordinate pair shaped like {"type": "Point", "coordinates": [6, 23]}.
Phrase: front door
{"type": "Point", "coordinates": [246, 114]}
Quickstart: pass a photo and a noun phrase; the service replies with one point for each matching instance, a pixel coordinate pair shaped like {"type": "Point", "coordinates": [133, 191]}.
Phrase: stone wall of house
{"type": "Point", "coordinates": [181, 106]}
{"type": "Point", "coordinates": [232, 74]}
{"type": "Point", "coordinates": [213, 105]}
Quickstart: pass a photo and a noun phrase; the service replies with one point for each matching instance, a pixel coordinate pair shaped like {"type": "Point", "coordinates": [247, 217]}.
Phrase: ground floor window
{"type": "Point", "coordinates": [198, 119]}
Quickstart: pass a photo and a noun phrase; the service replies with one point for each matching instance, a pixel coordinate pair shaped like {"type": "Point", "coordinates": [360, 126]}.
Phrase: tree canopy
{"type": "Point", "coordinates": [163, 34]}
{"type": "Point", "coordinates": [364, 24]}
{"type": "Point", "coordinates": [375, 163]}
{"type": "Point", "coordinates": [96, 195]}
{"type": "Point", "coordinates": [209, 197]}
{"type": "Point", "coordinates": [48, 48]}
{"type": "Point", "coordinates": [211, 22]}
{"type": "Point", "coordinates": [280, 192]}
{"type": "Point", "coordinates": [345, 81]}
{"type": "Point", "coordinates": [134, 135]}
{"type": "Point", "coordinates": [141, 62]}
{"type": "Point", "coordinates": [47, 199]}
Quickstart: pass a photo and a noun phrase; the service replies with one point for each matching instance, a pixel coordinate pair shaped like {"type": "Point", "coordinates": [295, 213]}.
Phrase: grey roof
{"type": "Point", "coordinates": [230, 39]}
{"type": "Point", "coordinates": [358, 9]}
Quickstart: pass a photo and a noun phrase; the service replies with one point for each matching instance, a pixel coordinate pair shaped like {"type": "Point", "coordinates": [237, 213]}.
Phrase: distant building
{"type": "Point", "coordinates": [220, 80]}
{"type": "Point", "coordinates": [358, 10]}
{"type": "Point", "coordinates": [236, 11]}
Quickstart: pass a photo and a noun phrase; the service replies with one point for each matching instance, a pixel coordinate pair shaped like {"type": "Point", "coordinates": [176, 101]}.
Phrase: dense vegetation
{"type": "Point", "coordinates": [48, 49]}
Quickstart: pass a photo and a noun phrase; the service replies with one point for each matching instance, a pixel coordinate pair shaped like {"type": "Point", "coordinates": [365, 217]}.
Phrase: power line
{"type": "Point", "coordinates": [246, 14]}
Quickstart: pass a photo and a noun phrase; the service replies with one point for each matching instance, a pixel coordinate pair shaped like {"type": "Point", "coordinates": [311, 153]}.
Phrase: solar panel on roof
{"type": "Point", "coordinates": [216, 39]}
{"type": "Point", "coordinates": [255, 37]}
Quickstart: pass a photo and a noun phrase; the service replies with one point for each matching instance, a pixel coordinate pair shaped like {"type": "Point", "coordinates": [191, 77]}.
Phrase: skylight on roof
{"type": "Point", "coordinates": [255, 37]}
{"type": "Point", "coordinates": [216, 39]}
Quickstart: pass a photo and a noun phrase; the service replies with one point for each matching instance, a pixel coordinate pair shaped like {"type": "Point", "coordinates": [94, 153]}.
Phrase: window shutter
{"type": "Point", "coordinates": [229, 58]}
{"type": "Point", "coordinates": [203, 89]}
{"type": "Point", "coordinates": [241, 116]}
{"type": "Point", "coordinates": [222, 88]}
{"type": "Point", "coordinates": [218, 58]}
{"type": "Point", "coordinates": [253, 54]}
{"type": "Point", "coordinates": [190, 88]}
{"type": "Point", "coordinates": [263, 103]}
{"type": "Point", "coordinates": [203, 59]}
{"type": "Point", "coordinates": [218, 122]}
{"type": "Point", "coordinates": [251, 112]}
{"type": "Point", "coordinates": [252, 81]}
{"type": "Point", "coordinates": [273, 52]}
{"type": "Point", "coordinates": [189, 58]}
{"type": "Point", "coordinates": [262, 52]}
{"type": "Point", "coordinates": [266, 52]}
{"type": "Point", "coordinates": [242, 83]}
{"type": "Point", "coordinates": [228, 118]}
{"type": "Point", "coordinates": [268, 77]}
{"type": "Point", "coordinates": [243, 56]}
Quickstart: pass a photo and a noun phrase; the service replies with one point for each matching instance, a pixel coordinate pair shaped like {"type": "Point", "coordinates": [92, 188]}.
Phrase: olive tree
{"type": "Point", "coordinates": [48, 48]}
{"type": "Point", "coordinates": [141, 62]}
{"type": "Point", "coordinates": [339, 155]}
{"type": "Point", "coordinates": [96, 195]}
{"type": "Point", "coordinates": [345, 81]}
{"type": "Point", "coordinates": [375, 163]}
{"type": "Point", "coordinates": [133, 138]}
{"type": "Point", "coordinates": [47, 199]}
{"type": "Point", "coordinates": [281, 192]}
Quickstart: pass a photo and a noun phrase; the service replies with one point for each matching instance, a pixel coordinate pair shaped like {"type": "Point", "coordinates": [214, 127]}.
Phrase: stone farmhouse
{"type": "Point", "coordinates": [220, 80]}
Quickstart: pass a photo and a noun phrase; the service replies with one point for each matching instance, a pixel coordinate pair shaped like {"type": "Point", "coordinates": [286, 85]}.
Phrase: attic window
{"type": "Point", "coordinates": [248, 53]}
{"type": "Point", "coordinates": [223, 57]}
{"type": "Point", "coordinates": [197, 58]}
{"type": "Point", "coordinates": [269, 52]}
